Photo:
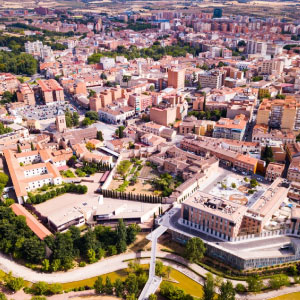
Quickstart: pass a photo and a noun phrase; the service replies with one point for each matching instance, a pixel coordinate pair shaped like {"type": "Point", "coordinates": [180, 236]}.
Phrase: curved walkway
{"type": "Point", "coordinates": [118, 262]}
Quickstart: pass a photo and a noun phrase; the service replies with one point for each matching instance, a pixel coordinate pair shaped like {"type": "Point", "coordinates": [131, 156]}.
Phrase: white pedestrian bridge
{"type": "Point", "coordinates": [153, 281]}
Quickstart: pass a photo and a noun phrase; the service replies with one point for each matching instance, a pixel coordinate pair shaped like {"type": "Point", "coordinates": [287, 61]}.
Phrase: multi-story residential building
{"type": "Point", "coordinates": [239, 161]}
{"type": "Point", "coordinates": [294, 170]}
{"type": "Point", "coordinates": [8, 82]}
{"type": "Point", "coordinates": [163, 115]}
{"type": "Point", "coordinates": [268, 67]}
{"type": "Point", "coordinates": [51, 91]}
{"type": "Point", "coordinates": [273, 171]}
{"type": "Point", "coordinates": [107, 63]}
{"type": "Point", "coordinates": [140, 102]}
{"type": "Point", "coordinates": [211, 79]}
{"type": "Point", "coordinates": [231, 129]}
{"type": "Point", "coordinates": [26, 94]}
{"type": "Point", "coordinates": [154, 128]}
{"type": "Point", "coordinates": [115, 114]}
{"type": "Point", "coordinates": [37, 48]}
{"type": "Point", "coordinates": [279, 113]}
{"type": "Point", "coordinates": [176, 78]}
{"type": "Point", "coordinates": [261, 134]}
{"type": "Point", "coordinates": [256, 47]}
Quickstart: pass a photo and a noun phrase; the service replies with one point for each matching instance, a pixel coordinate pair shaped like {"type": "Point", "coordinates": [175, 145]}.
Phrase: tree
{"type": "Point", "coordinates": [152, 297]}
{"type": "Point", "coordinates": [100, 136]}
{"type": "Point", "coordinates": [126, 78]}
{"type": "Point", "coordinates": [119, 288]}
{"type": "Point", "coordinates": [131, 284]}
{"type": "Point", "coordinates": [46, 265]}
{"type": "Point", "coordinates": [108, 286]}
{"type": "Point", "coordinates": [159, 268]}
{"type": "Point", "coordinates": [279, 280]}
{"type": "Point", "coordinates": [34, 249]}
{"type": "Point", "coordinates": [92, 94]}
{"type": "Point", "coordinates": [255, 283]}
{"type": "Point", "coordinates": [168, 271]}
{"type": "Point", "coordinates": [40, 288]}
{"type": "Point", "coordinates": [72, 161]}
{"type": "Point", "coordinates": [120, 132]}
{"type": "Point", "coordinates": [103, 76]}
{"type": "Point", "coordinates": [227, 291]}
{"type": "Point", "coordinates": [253, 183]}
{"type": "Point", "coordinates": [233, 185]}
{"type": "Point", "coordinates": [32, 146]}
{"type": "Point", "coordinates": [90, 146]}
{"type": "Point", "coordinates": [87, 122]}
{"type": "Point", "coordinates": [194, 250]}
{"type": "Point", "coordinates": [19, 148]}
{"type": "Point", "coordinates": [121, 236]}
{"type": "Point", "coordinates": [267, 155]}
{"type": "Point", "coordinates": [298, 138]}
{"type": "Point", "coordinates": [75, 118]}
{"type": "Point", "coordinates": [91, 255]}
{"type": "Point", "coordinates": [2, 296]}
{"type": "Point", "coordinates": [13, 283]}
{"type": "Point", "coordinates": [131, 231]}
{"type": "Point", "coordinates": [92, 115]}
{"type": "Point", "coordinates": [240, 288]}
{"type": "Point", "coordinates": [98, 285]}
{"type": "Point", "coordinates": [208, 287]}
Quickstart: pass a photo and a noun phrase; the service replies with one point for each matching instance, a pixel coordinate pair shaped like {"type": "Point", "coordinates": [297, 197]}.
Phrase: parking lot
{"type": "Point", "coordinates": [44, 112]}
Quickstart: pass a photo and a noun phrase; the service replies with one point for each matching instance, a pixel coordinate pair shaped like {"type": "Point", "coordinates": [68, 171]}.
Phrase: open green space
{"type": "Point", "coordinates": [292, 296]}
{"type": "Point", "coordinates": [121, 274]}
{"type": "Point", "coordinates": [182, 281]}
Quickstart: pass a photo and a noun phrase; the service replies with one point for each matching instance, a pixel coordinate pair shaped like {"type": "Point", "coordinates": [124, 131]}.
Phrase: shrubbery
{"type": "Point", "coordinates": [66, 188]}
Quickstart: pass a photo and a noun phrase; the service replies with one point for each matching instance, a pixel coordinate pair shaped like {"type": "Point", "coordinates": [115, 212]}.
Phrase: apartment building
{"type": "Point", "coordinates": [39, 49]}
{"type": "Point", "coordinates": [279, 113]}
{"type": "Point", "coordinates": [140, 102]}
{"type": "Point", "coordinates": [231, 129]}
{"type": "Point", "coordinates": [115, 114]}
{"type": "Point", "coordinates": [176, 78]}
{"type": "Point", "coordinates": [273, 171]}
{"type": "Point", "coordinates": [51, 91]}
{"type": "Point", "coordinates": [163, 115]}
{"type": "Point", "coordinates": [26, 94]}
{"type": "Point", "coordinates": [268, 67]}
{"type": "Point", "coordinates": [8, 82]}
{"type": "Point", "coordinates": [244, 163]}
{"type": "Point", "coordinates": [256, 47]}
{"type": "Point", "coordinates": [294, 170]}
{"type": "Point", "coordinates": [211, 79]}
{"type": "Point", "coordinates": [261, 134]}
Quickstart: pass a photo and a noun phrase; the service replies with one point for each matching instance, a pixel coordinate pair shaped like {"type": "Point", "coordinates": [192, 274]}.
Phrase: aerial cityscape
{"type": "Point", "coordinates": [149, 150]}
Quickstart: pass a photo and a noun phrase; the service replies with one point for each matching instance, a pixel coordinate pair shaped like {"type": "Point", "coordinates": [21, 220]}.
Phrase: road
{"type": "Point", "coordinates": [115, 263]}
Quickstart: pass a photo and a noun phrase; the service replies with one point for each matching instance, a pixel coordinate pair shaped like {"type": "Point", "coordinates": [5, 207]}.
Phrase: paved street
{"type": "Point", "coordinates": [115, 263]}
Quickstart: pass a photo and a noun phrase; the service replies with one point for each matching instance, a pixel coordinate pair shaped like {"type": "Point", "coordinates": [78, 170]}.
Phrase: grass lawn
{"type": "Point", "coordinates": [292, 296]}
{"type": "Point", "coordinates": [188, 285]}
{"type": "Point", "coordinates": [90, 281]}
